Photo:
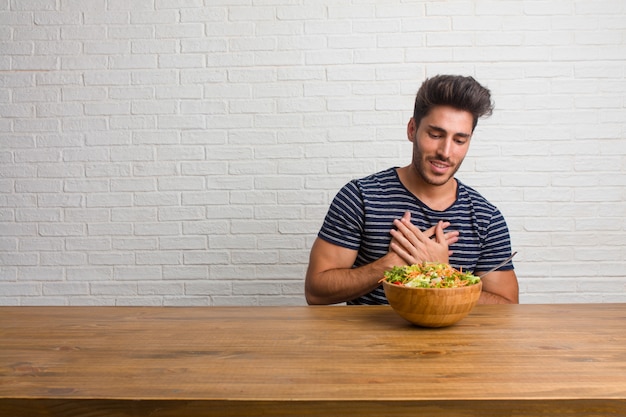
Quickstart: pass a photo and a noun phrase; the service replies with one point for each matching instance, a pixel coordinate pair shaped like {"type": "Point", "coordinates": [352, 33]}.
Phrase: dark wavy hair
{"type": "Point", "coordinates": [463, 93]}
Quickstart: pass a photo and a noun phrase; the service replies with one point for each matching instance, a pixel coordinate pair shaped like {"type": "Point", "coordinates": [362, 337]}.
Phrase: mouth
{"type": "Point", "coordinates": [439, 167]}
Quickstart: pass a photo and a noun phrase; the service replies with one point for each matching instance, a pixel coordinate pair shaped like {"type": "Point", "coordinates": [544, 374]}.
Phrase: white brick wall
{"type": "Point", "coordinates": [162, 152]}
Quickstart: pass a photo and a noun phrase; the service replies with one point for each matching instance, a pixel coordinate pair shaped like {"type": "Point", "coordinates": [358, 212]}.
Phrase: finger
{"type": "Point", "coordinates": [402, 253]}
{"type": "Point", "coordinates": [407, 248]}
{"type": "Point", "coordinates": [431, 231]}
{"type": "Point", "coordinates": [439, 236]}
{"type": "Point", "coordinates": [399, 238]}
{"type": "Point", "coordinates": [410, 230]}
{"type": "Point", "coordinates": [405, 231]}
{"type": "Point", "coordinates": [452, 237]}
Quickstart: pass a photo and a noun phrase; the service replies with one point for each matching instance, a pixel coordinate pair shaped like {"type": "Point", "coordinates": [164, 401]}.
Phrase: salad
{"type": "Point", "coordinates": [429, 275]}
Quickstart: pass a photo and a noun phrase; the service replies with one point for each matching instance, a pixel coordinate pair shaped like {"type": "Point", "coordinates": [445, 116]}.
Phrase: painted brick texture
{"type": "Point", "coordinates": [159, 152]}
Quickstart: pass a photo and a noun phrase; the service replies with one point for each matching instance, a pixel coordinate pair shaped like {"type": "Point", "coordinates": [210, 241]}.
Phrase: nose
{"type": "Point", "coordinates": [445, 148]}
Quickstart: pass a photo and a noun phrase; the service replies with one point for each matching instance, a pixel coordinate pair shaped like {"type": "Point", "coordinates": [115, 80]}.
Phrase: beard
{"type": "Point", "coordinates": [422, 167]}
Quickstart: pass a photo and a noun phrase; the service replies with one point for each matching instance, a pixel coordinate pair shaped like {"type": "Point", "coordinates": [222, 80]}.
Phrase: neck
{"type": "Point", "coordinates": [437, 197]}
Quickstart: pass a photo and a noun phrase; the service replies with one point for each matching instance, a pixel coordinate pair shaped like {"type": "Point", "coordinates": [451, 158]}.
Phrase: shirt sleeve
{"type": "Point", "coordinates": [343, 224]}
{"type": "Point", "coordinates": [496, 246]}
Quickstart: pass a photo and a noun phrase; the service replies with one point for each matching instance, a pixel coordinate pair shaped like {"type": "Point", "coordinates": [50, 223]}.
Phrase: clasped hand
{"type": "Point", "coordinates": [414, 246]}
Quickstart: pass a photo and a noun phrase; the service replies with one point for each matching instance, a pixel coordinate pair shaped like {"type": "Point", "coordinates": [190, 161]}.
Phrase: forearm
{"type": "Point", "coordinates": [491, 298]}
{"type": "Point", "coordinates": [343, 284]}
{"type": "Point", "coordinates": [500, 287]}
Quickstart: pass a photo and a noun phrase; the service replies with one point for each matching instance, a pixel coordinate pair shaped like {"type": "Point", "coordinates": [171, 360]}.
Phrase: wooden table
{"type": "Point", "coordinates": [511, 360]}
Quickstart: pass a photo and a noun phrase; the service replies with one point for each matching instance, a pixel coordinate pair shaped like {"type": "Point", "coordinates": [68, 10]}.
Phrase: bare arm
{"type": "Point", "coordinates": [500, 287]}
{"type": "Point", "coordinates": [331, 278]}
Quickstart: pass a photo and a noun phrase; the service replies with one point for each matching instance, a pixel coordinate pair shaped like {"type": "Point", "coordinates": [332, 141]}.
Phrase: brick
{"type": "Point", "coordinates": [181, 122]}
{"type": "Point", "coordinates": [261, 288]}
{"type": "Point", "coordinates": [18, 259]}
{"type": "Point", "coordinates": [153, 16]}
{"type": "Point", "coordinates": [38, 215]}
{"type": "Point", "coordinates": [157, 229]}
{"type": "Point", "coordinates": [131, 244]}
{"type": "Point", "coordinates": [113, 288]}
{"type": "Point", "coordinates": [154, 169]}
{"type": "Point", "coordinates": [183, 243]}
{"type": "Point", "coordinates": [160, 288]}
{"type": "Point", "coordinates": [133, 184]}
{"type": "Point", "coordinates": [230, 183]}
{"type": "Point", "coordinates": [184, 61]}
{"type": "Point", "coordinates": [253, 197]}
{"type": "Point", "coordinates": [65, 288]}
{"type": "Point", "coordinates": [158, 258]}
{"type": "Point", "coordinates": [185, 273]}
{"type": "Point", "coordinates": [107, 78]}
{"type": "Point", "coordinates": [132, 154]}
{"type": "Point", "coordinates": [83, 94]}
{"type": "Point", "coordinates": [151, 107]}
{"type": "Point", "coordinates": [106, 48]}
{"type": "Point", "coordinates": [83, 62]}
{"type": "Point", "coordinates": [109, 200]}
{"type": "Point", "coordinates": [204, 168]}
{"type": "Point", "coordinates": [181, 213]}
{"type": "Point", "coordinates": [133, 214]}
{"type": "Point", "coordinates": [205, 198]}
{"type": "Point", "coordinates": [7, 244]}
{"type": "Point", "coordinates": [211, 14]}
{"type": "Point", "coordinates": [106, 170]}
{"type": "Point", "coordinates": [198, 288]}
{"type": "Point", "coordinates": [17, 171]}
{"type": "Point", "coordinates": [209, 227]}
{"type": "Point", "coordinates": [181, 184]}
{"type": "Point", "coordinates": [107, 138]}
{"type": "Point", "coordinates": [109, 229]}
{"type": "Point", "coordinates": [204, 107]}
{"type": "Point", "coordinates": [206, 258]}
{"type": "Point", "coordinates": [128, 123]}
{"type": "Point", "coordinates": [186, 301]}
{"type": "Point", "coordinates": [11, 289]}
{"type": "Point", "coordinates": [35, 186]}
{"type": "Point", "coordinates": [84, 124]}
{"type": "Point", "coordinates": [133, 301]}
{"type": "Point", "coordinates": [116, 259]}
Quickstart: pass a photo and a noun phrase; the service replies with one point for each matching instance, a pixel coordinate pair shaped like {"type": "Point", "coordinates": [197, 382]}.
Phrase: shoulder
{"type": "Point", "coordinates": [371, 186]}
{"type": "Point", "coordinates": [357, 193]}
{"type": "Point", "coordinates": [378, 179]}
{"type": "Point", "coordinates": [469, 195]}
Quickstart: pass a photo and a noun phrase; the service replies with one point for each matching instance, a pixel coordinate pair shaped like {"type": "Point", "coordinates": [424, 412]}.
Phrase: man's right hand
{"type": "Point", "coordinates": [414, 246]}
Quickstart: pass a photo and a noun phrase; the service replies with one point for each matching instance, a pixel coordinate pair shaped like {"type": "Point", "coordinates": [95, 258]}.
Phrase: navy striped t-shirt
{"type": "Point", "coordinates": [362, 214]}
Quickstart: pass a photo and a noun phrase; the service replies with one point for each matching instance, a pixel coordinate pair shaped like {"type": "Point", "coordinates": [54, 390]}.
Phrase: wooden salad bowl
{"type": "Point", "coordinates": [432, 307]}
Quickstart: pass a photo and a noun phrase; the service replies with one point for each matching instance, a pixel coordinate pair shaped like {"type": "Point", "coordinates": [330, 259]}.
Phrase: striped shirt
{"type": "Point", "coordinates": [362, 214]}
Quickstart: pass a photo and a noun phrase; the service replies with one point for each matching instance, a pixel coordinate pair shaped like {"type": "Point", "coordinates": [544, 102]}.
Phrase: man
{"type": "Point", "coordinates": [416, 213]}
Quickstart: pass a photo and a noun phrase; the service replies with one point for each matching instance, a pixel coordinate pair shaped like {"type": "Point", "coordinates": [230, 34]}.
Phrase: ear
{"type": "Point", "coordinates": [411, 129]}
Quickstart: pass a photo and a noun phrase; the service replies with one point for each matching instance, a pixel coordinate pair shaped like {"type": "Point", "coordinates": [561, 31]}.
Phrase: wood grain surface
{"type": "Point", "coordinates": [504, 360]}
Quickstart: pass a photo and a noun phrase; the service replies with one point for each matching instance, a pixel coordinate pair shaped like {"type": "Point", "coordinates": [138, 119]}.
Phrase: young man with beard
{"type": "Point", "coordinates": [416, 213]}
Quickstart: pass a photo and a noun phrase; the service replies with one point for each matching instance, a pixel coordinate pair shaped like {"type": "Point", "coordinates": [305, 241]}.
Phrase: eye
{"type": "Point", "coordinates": [461, 139]}
{"type": "Point", "coordinates": [435, 135]}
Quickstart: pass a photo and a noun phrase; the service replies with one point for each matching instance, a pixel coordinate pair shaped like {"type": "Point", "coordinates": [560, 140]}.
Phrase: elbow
{"type": "Point", "coordinates": [316, 294]}
{"type": "Point", "coordinates": [313, 299]}
{"type": "Point", "coordinates": [312, 292]}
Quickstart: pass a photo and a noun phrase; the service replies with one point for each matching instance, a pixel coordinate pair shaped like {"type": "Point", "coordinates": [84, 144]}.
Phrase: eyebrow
{"type": "Point", "coordinates": [442, 130]}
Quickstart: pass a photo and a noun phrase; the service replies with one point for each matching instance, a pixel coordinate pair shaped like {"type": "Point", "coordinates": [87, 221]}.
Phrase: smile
{"type": "Point", "coordinates": [439, 166]}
